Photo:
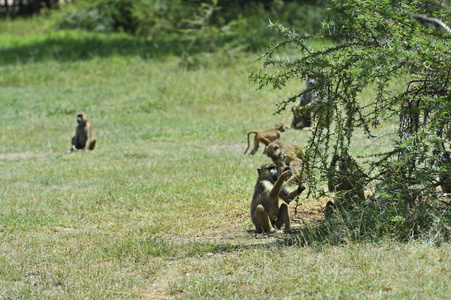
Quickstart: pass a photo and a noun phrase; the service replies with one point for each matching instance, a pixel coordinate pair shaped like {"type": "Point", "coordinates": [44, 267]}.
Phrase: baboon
{"type": "Point", "coordinates": [304, 118]}
{"type": "Point", "coordinates": [283, 155]}
{"type": "Point", "coordinates": [445, 178]}
{"type": "Point", "coordinates": [286, 148]}
{"type": "Point", "coordinates": [265, 137]}
{"type": "Point", "coordinates": [347, 180]}
{"type": "Point", "coordinates": [84, 137]}
{"type": "Point", "coordinates": [432, 22]}
{"type": "Point", "coordinates": [269, 206]}
{"type": "Point", "coordinates": [330, 206]}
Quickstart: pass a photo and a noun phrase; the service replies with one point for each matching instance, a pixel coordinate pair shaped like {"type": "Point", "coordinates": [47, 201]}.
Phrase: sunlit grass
{"type": "Point", "coordinates": [160, 207]}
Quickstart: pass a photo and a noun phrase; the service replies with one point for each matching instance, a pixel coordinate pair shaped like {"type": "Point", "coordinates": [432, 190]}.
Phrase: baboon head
{"type": "Point", "coordinates": [268, 171]}
{"type": "Point", "coordinates": [309, 82]}
{"type": "Point", "coordinates": [280, 127]}
{"type": "Point", "coordinates": [82, 117]}
{"type": "Point", "coordinates": [273, 151]}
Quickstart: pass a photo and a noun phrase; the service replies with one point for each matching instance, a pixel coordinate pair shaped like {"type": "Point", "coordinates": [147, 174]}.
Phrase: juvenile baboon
{"type": "Point", "coordinates": [286, 148]}
{"type": "Point", "coordinates": [347, 180]}
{"type": "Point", "coordinates": [284, 154]}
{"type": "Point", "coordinates": [304, 118]}
{"type": "Point", "coordinates": [269, 206]}
{"type": "Point", "coordinates": [84, 138]}
{"type": "Point", "coordinates": [265, 137]}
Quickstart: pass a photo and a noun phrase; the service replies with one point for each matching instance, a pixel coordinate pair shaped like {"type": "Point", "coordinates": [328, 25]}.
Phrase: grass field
{"type": "Point", "coordinates": [160, 209]}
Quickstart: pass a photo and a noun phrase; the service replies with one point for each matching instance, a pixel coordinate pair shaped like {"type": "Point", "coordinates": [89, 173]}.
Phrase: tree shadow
{"type": "Point", "coordinates": [68, 46]}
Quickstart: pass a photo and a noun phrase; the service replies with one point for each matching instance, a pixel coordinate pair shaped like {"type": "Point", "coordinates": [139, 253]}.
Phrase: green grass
{"type": "Point", "coordinates": [160, 207]}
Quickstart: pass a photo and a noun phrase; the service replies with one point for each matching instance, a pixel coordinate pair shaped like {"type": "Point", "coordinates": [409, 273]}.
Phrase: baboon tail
{"type": "Point", "coordinates": [248, 144]}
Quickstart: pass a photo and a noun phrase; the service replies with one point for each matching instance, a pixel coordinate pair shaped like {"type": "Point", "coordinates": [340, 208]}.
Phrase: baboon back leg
{"type": "Point", "coordinates": [266, 142]}
{"type": "Point", "coordinates": [295, 122]}
{"type": "Point", "coordinates": [256, 145]}
{"type": "Point", "coordinates": [73, 144]}
{"type": "Point", "coordinates": [283, 217]}
{"type": "Point", "coordinates": [92, 145]}
{"type": "Point", "coordinates": [261, 220]}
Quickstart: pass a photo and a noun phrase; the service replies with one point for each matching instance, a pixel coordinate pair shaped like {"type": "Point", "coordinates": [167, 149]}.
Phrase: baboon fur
{"type": "Point", "coordinates": [283, 155]}
{"type": "Point", "coordinates": [265, 137]}
{"type": "Point", "coordinates": [347, 180]}
{"type": "Point", "coordinates": [269, 206]}
{"type": "Point", "coordinates": [84, 138]}
{"type": "Point", "coordinates": [302, 116]}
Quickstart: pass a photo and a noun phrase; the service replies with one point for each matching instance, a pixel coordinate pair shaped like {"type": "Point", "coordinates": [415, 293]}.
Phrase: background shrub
{"type": "Point", "coordinates": [211, 24]}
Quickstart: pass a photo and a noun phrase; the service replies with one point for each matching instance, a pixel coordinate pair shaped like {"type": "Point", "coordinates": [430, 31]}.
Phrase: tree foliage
{"type": "Point", "coordinates": [212, 24]}
{"type": "Point", "coordinates": [13, 8]}
{"type": "Point", "coordinates": [376, 44]}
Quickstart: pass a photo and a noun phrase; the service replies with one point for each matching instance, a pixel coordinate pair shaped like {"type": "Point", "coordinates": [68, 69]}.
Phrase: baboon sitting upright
{"type": "Point", "coordinates": [84, 138]}
{"type": "Point", "coordinates": [265, 137]}
{"type": "Point", "coordinates": [269, 206]}
{"type": "Point", "coordinates": [304, 118]}
{"type": "Point", "coordinates": [347, 180]}
{"type": "Point", "coordinates": [445, 178]}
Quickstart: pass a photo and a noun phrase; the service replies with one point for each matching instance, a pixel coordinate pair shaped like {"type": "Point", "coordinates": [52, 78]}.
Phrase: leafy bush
{"type": "Point", "coordinates": [137, 17]}
{"type": "Point", "coordinates": [90, 20]}
{"type": "Point", "coordinates": [205, 25]}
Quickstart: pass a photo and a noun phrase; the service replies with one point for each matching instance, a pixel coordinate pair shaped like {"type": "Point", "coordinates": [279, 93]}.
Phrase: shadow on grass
{"type": "Point", "coordinates": [181, 246]}
{"type": "Point", "coordinates": [65, 46]}
{"type": "Point", "coordinates": [312, 234]}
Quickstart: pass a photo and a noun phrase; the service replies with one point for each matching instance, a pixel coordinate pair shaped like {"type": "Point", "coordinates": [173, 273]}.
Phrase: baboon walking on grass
{"type": "Point", "coordinates": [265, 137]}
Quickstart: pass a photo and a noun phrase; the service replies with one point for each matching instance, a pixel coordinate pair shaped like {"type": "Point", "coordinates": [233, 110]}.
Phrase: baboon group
{"type": "Point", "coordinates": [269, 205]}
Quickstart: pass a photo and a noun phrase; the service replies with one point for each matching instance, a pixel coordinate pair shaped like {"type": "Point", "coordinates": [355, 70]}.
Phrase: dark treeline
{"type": "Point", "coordinates": [125, 14]}
{"type": "Point", "coordinates": [12, 8]}
{"type": "Point", "coordinates": [184, 28]}
{"type": "Point", "coordinates": [206, 24]}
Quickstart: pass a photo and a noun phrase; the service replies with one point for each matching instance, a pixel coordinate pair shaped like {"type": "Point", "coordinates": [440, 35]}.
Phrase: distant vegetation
{"type": "Point", "coordinates": [207, 25]}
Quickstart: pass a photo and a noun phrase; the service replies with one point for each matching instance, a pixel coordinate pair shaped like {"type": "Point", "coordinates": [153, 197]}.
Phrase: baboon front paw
{"type": "Point", "coordinates": [301, 188]}
{"type": "Point", "coordinates": [287, 173]}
